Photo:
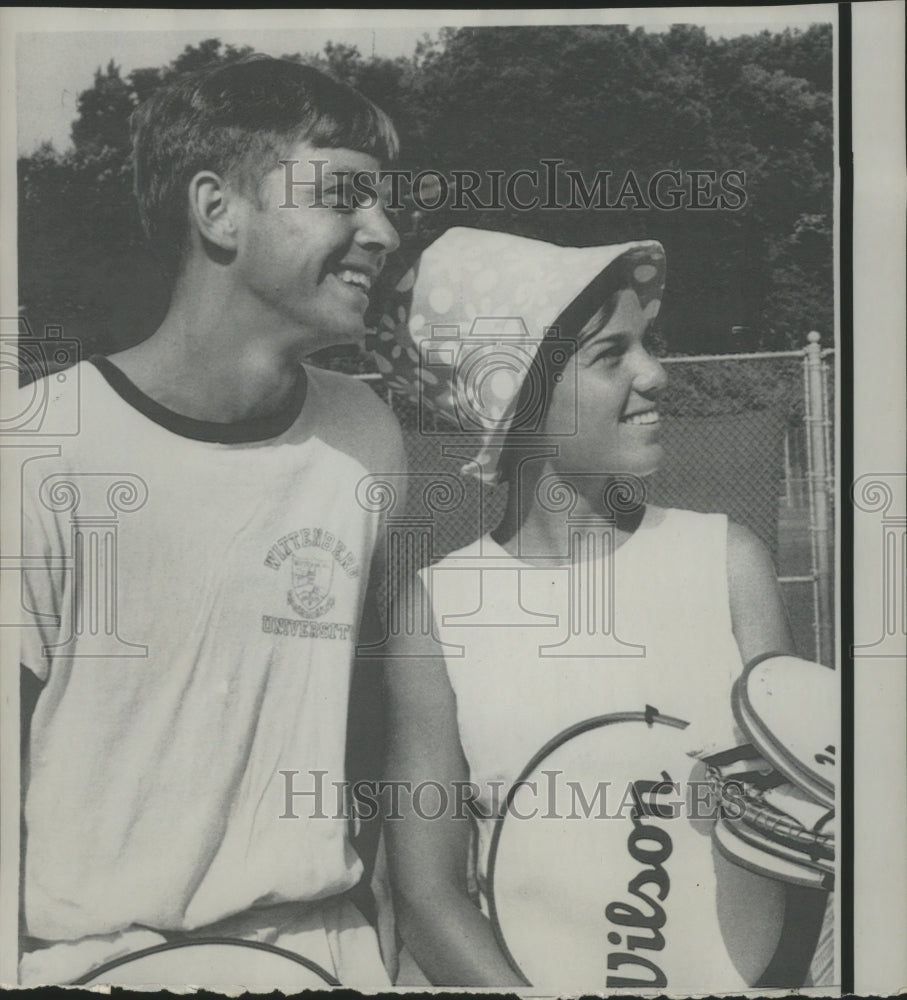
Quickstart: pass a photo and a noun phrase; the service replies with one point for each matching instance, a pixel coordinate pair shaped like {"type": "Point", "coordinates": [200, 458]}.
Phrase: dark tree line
{"type": "Point", "coordinates": [503, 99]}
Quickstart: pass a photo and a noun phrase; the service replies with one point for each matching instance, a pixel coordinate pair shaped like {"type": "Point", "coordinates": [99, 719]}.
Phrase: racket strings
{"type": "Point", "coordinates": [771, 823]}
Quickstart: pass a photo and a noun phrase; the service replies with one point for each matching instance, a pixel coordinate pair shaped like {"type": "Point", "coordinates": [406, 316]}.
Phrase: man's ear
{"type": "Point", "coordinates": [212, 208]}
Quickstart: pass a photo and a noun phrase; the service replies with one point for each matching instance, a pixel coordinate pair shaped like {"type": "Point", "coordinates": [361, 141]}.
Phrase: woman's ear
{"type": "Point", "coordinates": [212, 209]}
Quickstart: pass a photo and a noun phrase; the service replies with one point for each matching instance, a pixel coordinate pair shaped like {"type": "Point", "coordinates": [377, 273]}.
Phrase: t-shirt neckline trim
{"type": "Point", "coordinates": [238, 432]}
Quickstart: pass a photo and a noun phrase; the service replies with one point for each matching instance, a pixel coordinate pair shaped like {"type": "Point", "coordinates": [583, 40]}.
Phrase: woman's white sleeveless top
{"type": "Point", "coordinates": [530, 651]}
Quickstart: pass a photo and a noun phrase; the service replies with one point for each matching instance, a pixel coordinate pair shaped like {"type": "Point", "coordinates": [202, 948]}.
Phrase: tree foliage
{"type": "Point", "coordinates": [595, 98]}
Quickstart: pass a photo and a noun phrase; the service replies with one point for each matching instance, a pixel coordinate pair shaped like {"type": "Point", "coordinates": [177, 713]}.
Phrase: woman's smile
{"type": "Point", "coordinates": [642, 418]}
{"type": "Point", "coordinates": [610, 396]}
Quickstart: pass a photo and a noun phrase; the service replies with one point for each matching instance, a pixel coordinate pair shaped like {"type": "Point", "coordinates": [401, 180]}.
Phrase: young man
{"type": "Point", "coordinates": [194, 688]}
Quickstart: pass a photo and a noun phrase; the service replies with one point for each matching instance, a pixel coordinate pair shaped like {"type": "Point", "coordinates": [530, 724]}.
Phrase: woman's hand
{"type": "Point", "coordinates": [761, 626]}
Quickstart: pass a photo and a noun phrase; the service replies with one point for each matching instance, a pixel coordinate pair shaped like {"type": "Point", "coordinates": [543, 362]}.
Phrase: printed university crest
{"type": "Point", "coordinates": [313, 557]}
{"type": "Point", "coordinates": [312, 574]}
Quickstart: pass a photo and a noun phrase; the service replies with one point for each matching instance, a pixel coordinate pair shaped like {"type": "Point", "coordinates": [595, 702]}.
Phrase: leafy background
{"type": "Point", "coordinates": [597, 98]}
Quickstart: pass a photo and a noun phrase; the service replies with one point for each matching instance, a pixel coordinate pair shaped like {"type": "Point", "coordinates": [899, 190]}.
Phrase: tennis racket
{"type": "Point", "coordinates": [212, 962]}
{"type": "Point", "coordinates": [631, 893]}
{"type": "Point", "coordinates": [784, 782]}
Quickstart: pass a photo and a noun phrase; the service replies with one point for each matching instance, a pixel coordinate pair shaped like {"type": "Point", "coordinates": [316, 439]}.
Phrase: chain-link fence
{"type": "Point", "coordinates": [748, 435]}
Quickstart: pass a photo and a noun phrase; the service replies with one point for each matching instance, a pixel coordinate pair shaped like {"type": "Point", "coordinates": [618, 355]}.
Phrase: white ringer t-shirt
{"type": "Point", "coordinates": [154, 789]}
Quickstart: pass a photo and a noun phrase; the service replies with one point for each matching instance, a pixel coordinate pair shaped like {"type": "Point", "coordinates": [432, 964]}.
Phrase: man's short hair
{"type": "Point", "coordinates": [239, 120]}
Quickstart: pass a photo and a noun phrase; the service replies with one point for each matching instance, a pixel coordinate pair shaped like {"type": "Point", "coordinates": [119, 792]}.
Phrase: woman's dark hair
{"type": "Point", "coordinates": [587, 313]}
{"type": "Point", "coordinates": [239, 120]}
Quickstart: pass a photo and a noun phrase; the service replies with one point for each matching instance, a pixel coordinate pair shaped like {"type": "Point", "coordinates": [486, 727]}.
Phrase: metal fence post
{"type": "Point", "coordinates": [817, 474]}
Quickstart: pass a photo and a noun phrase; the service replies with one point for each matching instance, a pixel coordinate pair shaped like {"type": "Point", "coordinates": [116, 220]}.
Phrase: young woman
{"type": "Point", "coordinates": [692, 596]}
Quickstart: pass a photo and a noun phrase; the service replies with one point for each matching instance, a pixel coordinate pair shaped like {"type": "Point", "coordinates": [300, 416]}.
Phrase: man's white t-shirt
{"type": "Point", "coordinates": [231, 563]}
